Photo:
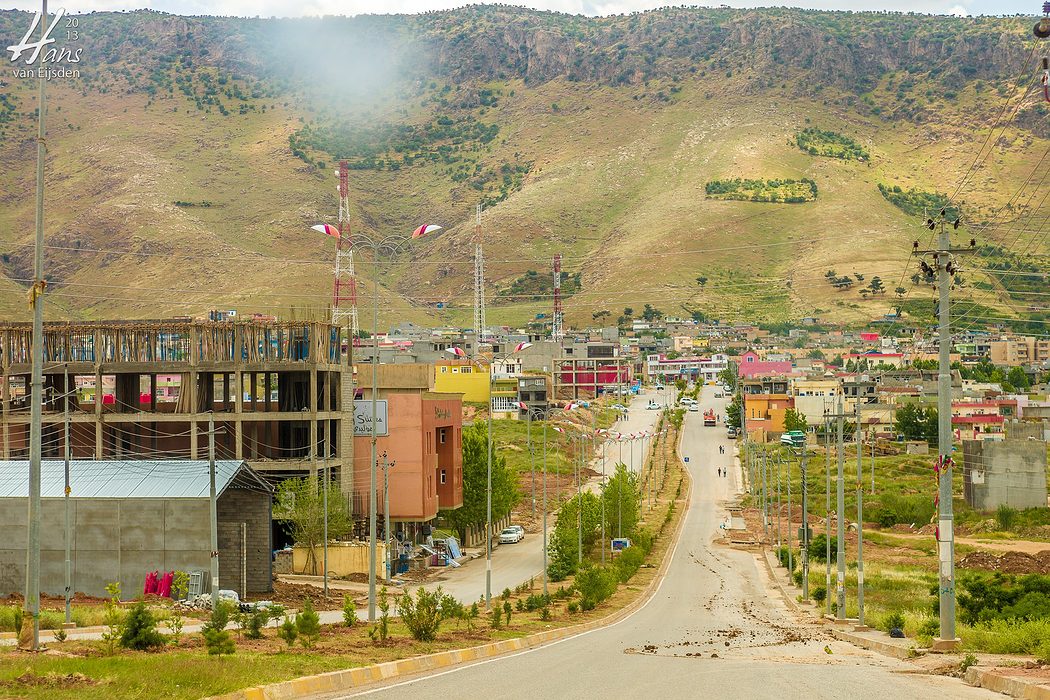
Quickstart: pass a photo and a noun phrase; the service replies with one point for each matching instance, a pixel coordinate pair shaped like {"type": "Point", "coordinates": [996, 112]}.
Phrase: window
{"type": "Point", "coordinates": [442, 436]}
{"type": "Point", "coordinates": [444, 369]}
{"type": "Point", "coordinates": [465, 370]}
{"type": "Point", "coordinates": [442, 476]}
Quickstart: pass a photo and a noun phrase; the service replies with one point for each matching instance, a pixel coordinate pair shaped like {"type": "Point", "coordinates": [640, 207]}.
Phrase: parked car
{"type": "Point", "coordinates": [519, 528]}
{"type": "Point", "coordinates": [793, 438]}
{"type": "Point", "coordinates": [653, 406]}
{"type": "Point", "coordinates": [718, 395]}
{"type": "Point", "coordinates": [659, 387]}
{"type": "Point", "coordinates": [619, 407]}
{"type": "Point", "coordinates": [693, 408]}
{"type": "Point", "coordinates": [731, 432]}
{"type": "Point", "coordinates": [511, 535]}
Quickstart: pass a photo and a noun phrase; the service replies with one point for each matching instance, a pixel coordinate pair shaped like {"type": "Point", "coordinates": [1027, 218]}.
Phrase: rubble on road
{"type": "Point", "coordinates": [1008, 562]}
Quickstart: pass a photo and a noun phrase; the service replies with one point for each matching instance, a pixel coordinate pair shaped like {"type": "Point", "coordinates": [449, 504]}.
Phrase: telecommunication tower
{"type": "Point", "coordinates": [344, 294]}
{"type": "Point", "coordinates": [479, 282]}
{"type": "Point", "coordinates": [557, 327]}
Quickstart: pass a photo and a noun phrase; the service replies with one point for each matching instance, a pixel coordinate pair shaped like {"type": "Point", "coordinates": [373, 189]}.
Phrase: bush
{"type": "Point", "coordinates": [895, 509]}
{"type": "Point", "coordinates": [595, 584]}
{"type": "Point", "coordinates": [288, 631]}
{"type": "Point", "coordinates": [422, 614]}
{"type": "Point", "coordinates": [216, 638]}
{"type": "Point", "coordinates": [497, 617]}
{"type": "Point", "coordinates": [628, 563]}
{"type": "Point", "coordinates": [349, 611]}
{"type": "Point", "coordinates": [798, 577]}
{"type": "Point", "coordinates": [140, 629]}
{"type": "Point", "coordinates": [254, 622]}
{"type": "Point", "coordinates": [507, 611]}
{"type": "Point", "coordinates": [536, 602]}
{"type": "Point", "coordinates": [999, 596]}
{"type": "Point", "coordinates": [308, 623]}
{"type": "Point", "coordinates": [892, 621]}
{"type": "Point", "coordinates": [783, 554]}
{"type": "Point", "coordinates": [545, 613]}
{"type": "Point", "coordinates": [573, 607]}
{"type": "Point", "coordinates": [818, 546]}
{"type": "Point", "coordinates": [113, 620]}
{"type": "Point", "coordinates": [819, 594]}
{"type": "Point", "coordinates": [506, 594]}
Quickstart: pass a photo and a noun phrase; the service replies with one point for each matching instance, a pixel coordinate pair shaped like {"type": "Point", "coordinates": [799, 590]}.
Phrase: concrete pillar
{"type": "Point", "coordinates": [191, 379]}
{"type": "Point", "coordinates": [7, 408]}
{"type": "Point", "coordinates": [313, 421]}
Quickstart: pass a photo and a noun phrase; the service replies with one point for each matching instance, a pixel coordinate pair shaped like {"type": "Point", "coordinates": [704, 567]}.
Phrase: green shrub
{"type": "Point", "coordinates": [308, 623]}
{"type": "Point", "coordinates": [984, 597]}
{"type": "Point", "coordinates": [819, 594]}
{"type": "Point", "coordinates": [497, 617]}
{"type": "Point", "coordinates": [254, 622]}
{"type": "Point", "coordinates": [506, 594]}
{"type": "Point", "coordinates": [895, 509]}
{"type": "Point", "coordinates": [288, 631]}
{"type": "Point", "coordinates": [113, 619]}
{"type": "Point", "coordinates": [893, 620]}
{"type": "Point", "coordinates": [1042, 653]}
{"type": "Point", "coordinates": [798, 577]}
{"type": "Point", "coordinates": [140, 629]}
{"type": "Point", "coordinates": [507, 609]}
{"type": "Point", "coordinates": [180, 584]}
{"type": "Point", "coordinates": [175, 624]}
{"type": "Point", "coordinates": [818, 546]}
{"type": "Point", "coordinates": [519, 605]}
{"type": "Point", "coordinates": [628, 562]}
{"type": "Point", "coordinates": [1007, 636]}
{"type": "Point", "coordinates": [216, 638]}
{"type": "Point", "coordinates": [349, 611]}
{"type": "Point", "coordinates": [537, 601]}
{"type": "Point", "coordinates": [422, 614]}
{"type": "Point", "coordinates": [545, 613]}
{"type": "Point", "coordinates": [595, 584]}
{"type": "Point", "coordinates": [573, 606]}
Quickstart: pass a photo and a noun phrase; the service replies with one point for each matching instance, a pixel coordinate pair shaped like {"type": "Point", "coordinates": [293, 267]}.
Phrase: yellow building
{"type": "Point", "coordinates": [462, 377]}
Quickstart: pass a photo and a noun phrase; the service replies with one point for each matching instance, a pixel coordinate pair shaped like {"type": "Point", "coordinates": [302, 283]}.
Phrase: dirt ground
{"type": "Point", "coordinates": [1008, 562]}
{"type": "Point", "coordinates": [291, 595]}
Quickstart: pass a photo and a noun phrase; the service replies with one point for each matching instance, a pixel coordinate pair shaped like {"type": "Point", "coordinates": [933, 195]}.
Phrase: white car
{"type": "Point", "coordinates": [511, 535]}
{"type": "Point", "coordinates": [618, 407]}
{"type": "Point", "coordinates": [693, 408]}
{"type": "Point", "coordinates": [653, 406]}
{"type": "Point", "coordinates": [659, 387]}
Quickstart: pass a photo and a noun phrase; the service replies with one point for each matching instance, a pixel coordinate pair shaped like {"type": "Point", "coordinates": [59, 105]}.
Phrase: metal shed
{"type": "Point", "coordinates": [131, 517]}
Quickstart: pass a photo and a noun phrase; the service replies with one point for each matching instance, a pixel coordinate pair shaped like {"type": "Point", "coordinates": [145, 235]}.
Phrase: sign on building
{"type": "Point", "coordinates": [363, 418]}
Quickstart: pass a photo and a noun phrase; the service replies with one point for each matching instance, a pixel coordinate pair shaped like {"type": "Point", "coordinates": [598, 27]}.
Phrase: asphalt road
{"type": "Point", "coordinates": [711, 629]}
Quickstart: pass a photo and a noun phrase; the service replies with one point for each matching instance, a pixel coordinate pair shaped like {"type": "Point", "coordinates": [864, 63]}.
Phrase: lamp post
{"type": "Point", "coordinates": [458, 352]}
{"type": "Point", "coordinates": [391, 243]}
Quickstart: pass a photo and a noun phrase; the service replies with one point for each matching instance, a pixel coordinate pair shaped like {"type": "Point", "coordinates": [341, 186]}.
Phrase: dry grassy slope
{"type": "Point", "coordinates": [616, 187]}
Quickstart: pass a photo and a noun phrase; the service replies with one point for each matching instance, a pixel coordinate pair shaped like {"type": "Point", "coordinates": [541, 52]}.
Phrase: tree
{"type": "Point", "coordinates": [815, 354]}
{"type": "Point", "coordinates": [793, 420]}
{"type": "Point", "coordinates": [628, 312]}
{"type": "Point", "coordinates": [1018, 378]}
{"type": "Point", "coordinates": [600, 316]}
{"type": "Point", "coordinates": [563, 546]}
{"type": "Point", "coordinates": [701, 280]}
{"type": "Point", "coordinates": [899, 291]}
{"type": "Point", "coordinates": [733, 411]}
{"type": "Point", "coordinates": [300, 503]}
{"type": "Point", "coordinates": [728, 376]}
{"type": "Point", "coordinates": [475, 469]}
{"type": "Point", "coordinates": [621, 502]}
{"type": "Point", "coordinates": [876, 286]}
{"type": "Point", "coordinates": [651, 313]}
{"type": "Point", "coordinates": [916, 422]}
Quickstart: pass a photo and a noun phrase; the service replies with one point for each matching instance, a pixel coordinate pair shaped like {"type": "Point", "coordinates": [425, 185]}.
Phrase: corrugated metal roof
{"type": "Point", "coordinates": [127, 478]}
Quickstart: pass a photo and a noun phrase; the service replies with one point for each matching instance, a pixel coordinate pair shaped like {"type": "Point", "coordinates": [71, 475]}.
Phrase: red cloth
{"type": "Point", "coordinates": [164, 585]}
{"type": "Point", "coordinates": [151, 583]}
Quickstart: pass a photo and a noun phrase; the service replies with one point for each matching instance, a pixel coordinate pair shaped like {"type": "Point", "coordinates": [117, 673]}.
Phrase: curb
{"type": "Point", "coordinates": [348, 679]}
{"type": "Point", "coordinates": [1007, 685]}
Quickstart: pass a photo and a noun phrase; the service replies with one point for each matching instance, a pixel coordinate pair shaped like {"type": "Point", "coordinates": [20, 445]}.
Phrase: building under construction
{"type": "Point", "coordinates": [146, 389]}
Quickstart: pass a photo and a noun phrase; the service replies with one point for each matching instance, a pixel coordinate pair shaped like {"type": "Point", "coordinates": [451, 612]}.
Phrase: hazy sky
{"type": "Point", "coordinates": [295, 8]}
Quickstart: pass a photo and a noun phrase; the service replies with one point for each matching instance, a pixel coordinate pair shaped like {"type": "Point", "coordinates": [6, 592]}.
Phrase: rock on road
{"type": "Point", "coordinates": [712, 629]}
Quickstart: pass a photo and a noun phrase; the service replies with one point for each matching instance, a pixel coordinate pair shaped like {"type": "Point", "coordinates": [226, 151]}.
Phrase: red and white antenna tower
{"type": "Point", "coordinates": [344, 294]}
{"type": "Point", "coordinates": [557, 328]}
{"type": "Point", "coordinates": [479, 282]}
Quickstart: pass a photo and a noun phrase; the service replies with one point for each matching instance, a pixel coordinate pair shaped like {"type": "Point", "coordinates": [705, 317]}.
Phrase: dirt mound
{"type": "Point", "coordinates": [292, 595]}
{"type": "Point", "coordinates": [1008, 562]}
{"type": "Point", "coordinates": [51, 680]}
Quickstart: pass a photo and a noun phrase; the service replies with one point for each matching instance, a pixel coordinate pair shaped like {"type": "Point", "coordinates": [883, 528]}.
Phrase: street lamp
{"type": "Point", "coordinates": [392, 243]}
{"type": "Point", "coordinates": [458, 352]}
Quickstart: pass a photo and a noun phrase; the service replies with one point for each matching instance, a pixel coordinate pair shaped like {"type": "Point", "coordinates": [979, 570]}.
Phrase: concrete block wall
{"type": "Point", "coordinates": [125, 539]}
{"type": "Point", "coordinates": [251, 507]}
{"type": "Point", "coordinates": [1010, 472]}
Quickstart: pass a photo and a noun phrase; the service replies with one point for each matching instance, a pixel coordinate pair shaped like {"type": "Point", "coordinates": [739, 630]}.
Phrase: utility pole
{"type": "Point", "coordinates": [765, 492]}
{"type": "Point", "coordinates": [324, 495]}
{"type": "Point", "coordinates": [945, 271]}
{"type": "Point", "coordinates": [29, 635]}
{"type": "Point", "coordinates": [387, 466]}
{"type": "Point", "coordinates": [860, 517]}
{"type": "Point", "coordinates": [779, 504]}
{"type": "Point", "coordinates": [212, 503]}
{"type": "Point", "coordinates": [805, 528]}
{"type": "Point", "coordinates": [579, 502]}
{"type": "Point", "coordinates": [66, 493]}
{"type": "Point", "coordinates": [840, 588]}
{"type": "Point", "coordinates": [827, 512]}
{"type": "Point", "coordinates": [791, 561]}
{"type": "Point", "coordinates": [873, 464]}
{"type": "Point", "coordinates": [532, 458]}
{"type": "Point", "coordinates": [546, 419]}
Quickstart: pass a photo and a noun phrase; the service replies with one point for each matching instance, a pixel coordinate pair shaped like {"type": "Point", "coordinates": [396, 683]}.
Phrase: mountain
{"type": "Point", "coordinates": [714, 161]}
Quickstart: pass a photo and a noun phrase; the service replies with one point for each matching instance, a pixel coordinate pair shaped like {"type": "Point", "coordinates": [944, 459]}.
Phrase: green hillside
{"type": "Point", "coordinates": [188, 162]}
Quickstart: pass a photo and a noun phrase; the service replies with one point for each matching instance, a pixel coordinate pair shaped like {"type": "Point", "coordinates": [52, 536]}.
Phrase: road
{"type": "Point", "coordinates": [712, 627]}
